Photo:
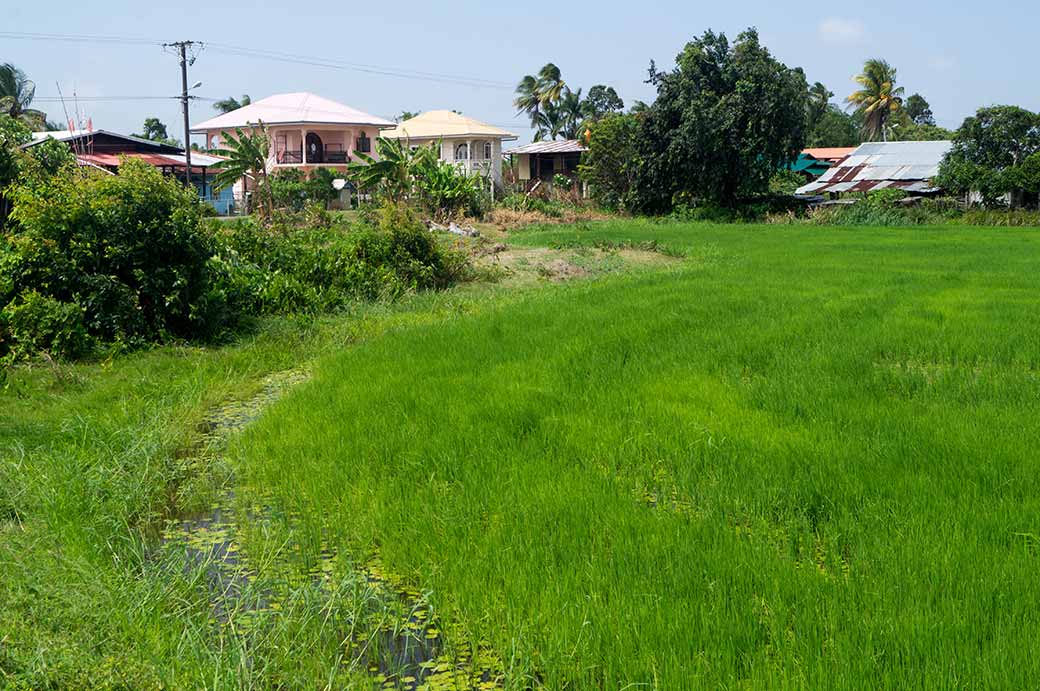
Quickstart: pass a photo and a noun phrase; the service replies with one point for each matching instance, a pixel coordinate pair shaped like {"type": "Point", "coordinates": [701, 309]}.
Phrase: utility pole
{"type": "Point", "coordinates": [182, 47]}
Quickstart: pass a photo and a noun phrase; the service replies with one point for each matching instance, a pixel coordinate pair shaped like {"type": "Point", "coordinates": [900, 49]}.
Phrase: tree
{"type": "Point", "coordinates": [877, 99]}
{"type": "Point", "coordinates": [231, 103]}
{"type": "Point", "coordinates": [994, 153]}
{"type": "Point", "coordinates": [725, 119]}
{"type": "Point", "coordinates": [602, 100]}
{"type": "Point", "coordinates": [611, 164]}
{"type": "Point", "coordinates": [548, 123]}
{"type": "Point", "coordinates": [834, 128]}
{"type": "Point", "coordinates": [819, 103]}
{"type": "Point", "coordinates": [13, 133]}
{"type": "Point", "coordinates": [572, 114]}
{"type": "Point", "coordinates": [535, 94]}
{"type": "Point", "coordinates": [16, 95]}
{"type": "Point", "coordinates": [247, 154]}
{"type": "Point", "coordinates": [153, 129]}
{"type": "Point", "coordinates": [405, 115]}
{"type": "Point", "coordinates": [918, 110]}
{"type": "Point", "coordinates": [550, 84]}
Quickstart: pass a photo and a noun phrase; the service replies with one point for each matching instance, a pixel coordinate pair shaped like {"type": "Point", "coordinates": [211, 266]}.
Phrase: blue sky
{"type": "Point", "coordinates": [958, 55]}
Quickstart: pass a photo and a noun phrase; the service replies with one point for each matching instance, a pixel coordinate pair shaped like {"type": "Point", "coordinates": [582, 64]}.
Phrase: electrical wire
{"type": "Point", "coordinates": [279, 56]}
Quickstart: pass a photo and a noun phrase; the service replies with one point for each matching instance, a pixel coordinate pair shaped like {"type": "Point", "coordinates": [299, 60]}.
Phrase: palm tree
{"type": "Point", "coordinates": [549, 123]}
{"type": "Point", "coordinates": [819, 102]}
{"type": "Point", "coordinates": [535, 94]}
{"type": "Point", "coordinates": [16, 94]}
{"type": "Point", "coordinates": [878, 99]}
{"type": "Point", "coordinates": [550, 84]}
{"type": "Point", "coordinates": [246, 154]}
{"type": "Point", "coordinates": [528, 99]}
{"type": "Point", "coordinates": [231, 103]}
{"type": "Point", "coordinates": [572, 111]}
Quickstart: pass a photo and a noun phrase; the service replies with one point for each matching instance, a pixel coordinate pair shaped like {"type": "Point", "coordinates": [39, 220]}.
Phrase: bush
{"type": "Point", "coordinates": [37, 323]}
{"type": "Point", "coordinates": [294, 191]}
{"type": "Point", "coordinates": [124, 252]}
{"type": "Point", "coordinates": [278, 271]}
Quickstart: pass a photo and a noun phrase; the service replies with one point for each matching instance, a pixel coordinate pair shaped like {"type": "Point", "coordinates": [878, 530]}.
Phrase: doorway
{"type": "Point", "coordinates": [315, 150]}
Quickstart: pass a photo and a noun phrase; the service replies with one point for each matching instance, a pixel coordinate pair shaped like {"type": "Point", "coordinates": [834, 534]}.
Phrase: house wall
{"type": "Point", "coordinates": [291, 138]}
{"type": "Point", "coordinates": [523, 167]}
{"type": "Point", "coordinates": [449, 147]}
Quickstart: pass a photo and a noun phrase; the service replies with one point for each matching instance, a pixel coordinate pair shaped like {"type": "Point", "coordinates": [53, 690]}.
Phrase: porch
{"type": "Point", "coordinates": [319, 146]}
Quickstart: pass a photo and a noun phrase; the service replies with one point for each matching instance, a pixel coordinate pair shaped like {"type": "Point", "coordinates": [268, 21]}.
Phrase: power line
{"type": "Point", "coordinates": [279, 56]}
{"type": "Point", "coordinates": [78, 38]}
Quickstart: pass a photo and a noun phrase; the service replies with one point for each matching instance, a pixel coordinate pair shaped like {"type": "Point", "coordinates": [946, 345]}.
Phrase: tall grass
{"type": "Point", "coordinates": [808, 458]}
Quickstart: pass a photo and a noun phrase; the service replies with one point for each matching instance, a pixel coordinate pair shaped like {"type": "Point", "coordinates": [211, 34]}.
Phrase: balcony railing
{"type": "Point", "coordinates": [290, 156]}
{"type": "Point", "coordinates": [334, 153]}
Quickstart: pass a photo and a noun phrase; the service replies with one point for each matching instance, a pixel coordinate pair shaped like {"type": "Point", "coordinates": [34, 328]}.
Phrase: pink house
{"type": "Point", "coordinates": [306, 130]}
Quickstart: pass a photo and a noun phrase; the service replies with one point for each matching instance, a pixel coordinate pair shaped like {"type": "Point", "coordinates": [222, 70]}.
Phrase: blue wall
{"type": "Point", "coordinates": [222, 201]}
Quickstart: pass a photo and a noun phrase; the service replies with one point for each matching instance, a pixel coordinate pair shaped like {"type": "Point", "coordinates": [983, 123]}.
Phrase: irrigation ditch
{"type": "Point", "coordinates": [385, 628]}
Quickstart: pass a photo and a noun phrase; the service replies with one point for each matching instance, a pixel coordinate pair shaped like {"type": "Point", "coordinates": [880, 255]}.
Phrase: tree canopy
{"type": "Point", "coordinates": [995, 152]}
{"type": "Point", "coordinates": [231, 103]}
{"type": "Point", "coordinates": [918, 110]}
{"type": "Point", "coordinates": [725, 119]}
{"type": "Point", "coordinates": [155, 130]}
{"type": "Point", "coordinates": [16, 95]}
{"type": "Point", "coordinates": [556, 110]}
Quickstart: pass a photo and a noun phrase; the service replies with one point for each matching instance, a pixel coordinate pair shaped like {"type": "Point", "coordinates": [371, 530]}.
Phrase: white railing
{"type": "Point", "coordinates": [479, 166]}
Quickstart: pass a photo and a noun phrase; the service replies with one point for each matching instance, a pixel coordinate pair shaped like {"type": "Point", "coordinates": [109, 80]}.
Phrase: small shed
{"type": "Point", "coordinates": [543, 160]}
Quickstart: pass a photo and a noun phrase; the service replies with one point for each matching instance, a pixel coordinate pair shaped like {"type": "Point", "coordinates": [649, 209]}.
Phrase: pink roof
{"type": "Point", "coordinates": [301, 108]}
{"type": "Point", "coordinates": [829, 153]}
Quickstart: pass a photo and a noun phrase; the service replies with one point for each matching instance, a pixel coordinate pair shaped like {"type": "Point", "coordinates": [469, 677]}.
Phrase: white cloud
{"type": "Point", "coordinates": [840, 31]}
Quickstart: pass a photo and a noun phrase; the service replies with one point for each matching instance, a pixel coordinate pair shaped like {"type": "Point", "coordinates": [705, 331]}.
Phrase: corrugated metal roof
{"type": "Point", "coordinates": [435, 124]}
{"type": "Point", "coordinates": [563, 146]}
{"type": "Point", "coordinates": [908, 166]}
{"type": "Point", "coordinates": [829, 153]}
{"type": "Point", "coordinates": [295, 108]}
{"type": "Point", "coordinates": [198, 160]}
{"type": "Point", "coordinates": [69, 135]}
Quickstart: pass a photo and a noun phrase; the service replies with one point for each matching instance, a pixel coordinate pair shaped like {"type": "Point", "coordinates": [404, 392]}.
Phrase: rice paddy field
{"type": "Point", "coordinates": [786, 457]}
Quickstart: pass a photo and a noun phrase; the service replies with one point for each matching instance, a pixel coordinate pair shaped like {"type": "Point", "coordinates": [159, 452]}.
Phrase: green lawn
{"type": "Point", "coordinates": [797, 457]}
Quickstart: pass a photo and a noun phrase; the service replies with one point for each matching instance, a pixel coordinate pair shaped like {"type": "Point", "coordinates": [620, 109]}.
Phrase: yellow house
{"type": "Point", "coordinates": [474, 146]}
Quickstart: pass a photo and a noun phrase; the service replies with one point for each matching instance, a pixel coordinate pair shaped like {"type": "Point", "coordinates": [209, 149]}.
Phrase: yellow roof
{"type": "Point", "coordinates": [436, 124]}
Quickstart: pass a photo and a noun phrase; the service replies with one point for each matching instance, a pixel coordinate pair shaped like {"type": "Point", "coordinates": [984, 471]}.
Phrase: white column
{"type": "Point", "coordinates": [469, 154]}
{"type": "Point", "coordinates": [303, 146]}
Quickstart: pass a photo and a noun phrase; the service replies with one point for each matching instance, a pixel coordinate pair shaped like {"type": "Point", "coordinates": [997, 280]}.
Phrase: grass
{"type": "Point", "coordinates": [806, 459]}
{"type": "Point", "coordinates": [797, 457]}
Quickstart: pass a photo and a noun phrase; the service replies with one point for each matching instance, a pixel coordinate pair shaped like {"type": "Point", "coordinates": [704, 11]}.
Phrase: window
{"type": "Point", "coordinates": [461, 152]}
{"type": "Point", "coordinates": [363, 144]}
{"type": "Point", "coordinates": [487, 150]}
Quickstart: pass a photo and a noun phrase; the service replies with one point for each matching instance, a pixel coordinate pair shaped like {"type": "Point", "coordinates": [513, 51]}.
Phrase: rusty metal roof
{"type": "Point", "coordinates": [106, 160]}
{"type": "Point", "coordinates": [564, 146]}
{"type": "Point", "coordinates": [908, 166]}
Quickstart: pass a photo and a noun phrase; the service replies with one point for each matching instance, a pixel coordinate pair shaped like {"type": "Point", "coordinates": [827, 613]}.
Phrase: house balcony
{"type": "Point", "coordinates": [477, 166]}
{"type": "Point", "coordinates": [332, 154]}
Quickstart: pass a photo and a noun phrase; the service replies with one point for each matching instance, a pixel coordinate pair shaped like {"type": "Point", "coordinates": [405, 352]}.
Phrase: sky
{"type": "Point", "coordinates": [468, 56]}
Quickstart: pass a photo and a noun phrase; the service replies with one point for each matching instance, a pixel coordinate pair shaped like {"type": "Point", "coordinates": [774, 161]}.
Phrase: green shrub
{"type": "Point", "coordinates": [37, 323]}
{"type": "Point", "coordinates": [269, 270]}
{"type": "Point", "coordinates": [293, 190]}
{"type": "Point", "coordinates": [127, 251]}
